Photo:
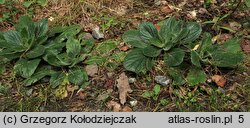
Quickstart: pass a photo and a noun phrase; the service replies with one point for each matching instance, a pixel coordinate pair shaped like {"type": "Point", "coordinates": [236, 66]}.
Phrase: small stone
{"type": "Point", "coordinates": [87, 36]}
{"type": "Point", "coordinates": [97, 34]}
{"type": "Point", "coordinates": [91, 70]}
{"type": "Point", "coordinates": [133, 103]}
{"type": "Point", "coordinates": [162, 80]}
{"type": "Point", "coordinates": [221, 90]}
{"type": "Point", "coordinates": [131, 80]}
{"type": "Point", "coordinates": [244, 73]}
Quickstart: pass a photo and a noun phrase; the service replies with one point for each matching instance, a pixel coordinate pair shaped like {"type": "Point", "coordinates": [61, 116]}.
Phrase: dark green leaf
{"type": "Point", "coordinates": [148, 31]}
{"type": "Point", "coordinates": [37, 76]}
{"type": "Point", "coordinates": [13, 38]}
{"type": "Point", "coordinates": [174, 57]}
{"type": "Point", "coordinates": [133, 38]}
{"type": "Point", "coordinates": [177, 76]}
{"type": "Point", "coordinates": [2, 1]}
{"type": "Point", "coordinates": [227, 59]}
{"type": "Point", "coordinates": [195, 58]}
{"type": "Point", "coordinates": [151, 51]}
{"type": "Point", "coordinates": [77, 76]}
{"type": "Point", "coordinates": [136, 62]}
{"type": "Point", "coordinates": [36, 52]}
{"type": "Point", "coordinates": [196, 76]}
{"type": "Point", "coordinates": [57, 79]}
{"type": "Point", "coordinates": [194, 32]}
{"type": "Point", "coordinates": [26, 68]}
{"type": "Point", "coordinates": [41, 28]}
{"type": "Point", "coordinates": [157, 43]}
{"type": "Point", "coordinates": [73, 48]}
{"type": "Point", "coordinates": [87, 46]}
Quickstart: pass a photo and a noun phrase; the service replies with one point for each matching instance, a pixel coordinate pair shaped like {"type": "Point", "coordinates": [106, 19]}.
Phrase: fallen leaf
{"type": "Point", "coordinates": [92, 69]}
{"type": "Point", "coordinates": [219, 80]}
{"type": "Point", "coordinates": [114, 105]}
{"type": "Point", "coordinates": [124, 48]}
{"type": "Point", "coordinates": [81, 94]}
{"type": "Point", "coordinates": [123, 87]}
{"type": "Point", "coordinates": [71, 88]}
{"type": "Point", "coordinates": [235, 25]}
{"type": "Point", "coordinates": [245, 45]}
{"type": "Point", "coordinates": [166, 9]}
{"type": "Point", "coordinates": [127, 109]}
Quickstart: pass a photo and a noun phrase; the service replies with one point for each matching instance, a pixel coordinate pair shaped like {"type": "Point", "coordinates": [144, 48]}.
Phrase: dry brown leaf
{"type": "Point", "coordinates": [167, 9]}
{"type": "Point", "coordinates": [81, 94]}
{"type": "Point", "coordinates": [127, 109]}
{"type": "Point", "coordinates": [219, 80]}
{"type": "Point", "coordinates": [124, 48]}
{"type": "Point", "coordinates": [114, 105]}
{"type": "Point", "coordinates": [91, 70]}
{"type": "Point", "coordinates": [123, 87]}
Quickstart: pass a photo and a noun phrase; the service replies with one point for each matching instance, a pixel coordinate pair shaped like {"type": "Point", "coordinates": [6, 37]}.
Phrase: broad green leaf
{"type": "Point", "coordinates": [227, 59]}
{"type": "Point", "coordinates": [177, 76]}
{"type": "Point", "coordinates": [42, 2]}
{"type": "Point", "coordinates": [231, 45]}
{"type": "Point", "coordinates": [133, 38]}
{"type": "Point", "coordinates": [136, 62]}
{"type": "Point", "coordinates": [206, 45]}
{"type": "Point", "coordinates": [37, 76]}
{"type": "Point", "coordinates": [148, 94]}
{"type": "Point", "coordinates": [157, 43]}
{"type": "Point", "coordinates": [2, 1]}
{"type": "Point", "coordinates": [247, 3]}
{"type": "Point", "coordinates": [148, 31]}
{"type": "Point", "coordinates": [157, 89]}
{"type": "Point", "coordinates": [77, 60]}
{"type": "Point", "coordinates": [36, 52]}
{"type": "Point", "coordinates": [24, 22]}
{"type": "Point", "coordinates": [106, 47]}
{"type": "Point", "coordinates": [195, 58]}
{"type": "Point", "coordinates": [77, 76]}
{"type": "Point", "coordinates": [57, 79]}
{"type": "Point", "coordinates": [174, 57]}
{"type": "Point", "coordinates": [68, 32]}
{"type": "Point", "coordinates": [57, 60]}
{"type": "Point", "coordinates": [196, 76]}
{"type": "Point", "coordinates": [26, 68]}
{"type": "Point", "coordinates": [194, 32]}
{"type": "Point", "coordinates": [87, 46]}
{"type": "Point", "coordinates": [151, 51]}
{"type": "Point", "coordinates": [73, 48]}
{"type": "Point", "coordinates": [95, 59]}
{"type": "Point", "coordinates": [41, 27]}
{"type": "Point", "coordinates": [27, 4]}
{"type": "Point", "coordinates": [13, 39]}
